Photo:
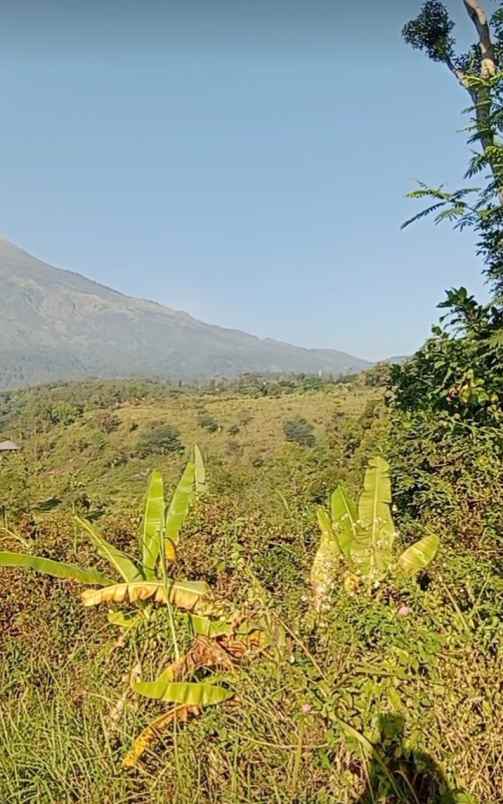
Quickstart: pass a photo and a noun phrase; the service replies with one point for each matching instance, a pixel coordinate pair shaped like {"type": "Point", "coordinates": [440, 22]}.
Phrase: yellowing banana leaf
{"type": "Point", "coordinates": [154, 730]}
{"type": "Point", "coordinates": [169, 550]}
{"type": "Point", "coordinates": [326, 562]}
{"type": "Point", "coordinates": [418, 555]}
{"type": "Point", "coordinates": [344, 517]}
{"type": "Point", "coordinates": [187, 693]}
{"type": "Point", "coordinates": [118, 560]}
{"type": "Point", "coordinates": [183, 594]}
{"type": "Point", "coordinates": [180, 503]}
{"type": "Point", "coordinates": [200, 472]}
{"type": "Point", "coordinates": [153, 523]}
{"type": "Point", "coordinates": [203, 652]}
{"type": "Point", "coordinates": [55, 568]}
{"type": "Point", "coordinates": [209, 628]}
{"type": "Point", "coordinates": [372, 545]}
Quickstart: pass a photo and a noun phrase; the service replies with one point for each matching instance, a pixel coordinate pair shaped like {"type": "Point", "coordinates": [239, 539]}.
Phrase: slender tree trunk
{"type": "Point", "coordinates": [482, 97]}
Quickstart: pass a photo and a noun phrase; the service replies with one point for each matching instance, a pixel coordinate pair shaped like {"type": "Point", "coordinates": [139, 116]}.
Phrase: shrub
{"type": "Point", "coordinates": [444, 469]}
{"type": "Point", "coordinates": [65, 413]}
{"type": "Point", "coordinates": [445, 442]}
{"type": "Point", "coordinates": [299, 431]}
{"type": "Point", "coordinates": [458, 370]}
{"type": "Point", "coordinates": [160, 439]}
{"type": "Point", "coordinates": [234, 429]}
{"type": "Point", "coordinates": [209, 423]}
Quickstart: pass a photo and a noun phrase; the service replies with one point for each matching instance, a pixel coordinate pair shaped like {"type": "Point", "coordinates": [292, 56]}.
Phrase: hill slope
{"type": "Point", "coordinates": [56, 325]}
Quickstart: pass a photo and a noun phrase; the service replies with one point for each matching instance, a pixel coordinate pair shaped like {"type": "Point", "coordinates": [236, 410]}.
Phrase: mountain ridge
{"type": "Point", "coordinates": [57, 324]}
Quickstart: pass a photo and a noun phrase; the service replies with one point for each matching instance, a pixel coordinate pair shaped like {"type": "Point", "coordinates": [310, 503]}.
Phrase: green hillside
{"type": "Point", "coordinates": [391, 684]}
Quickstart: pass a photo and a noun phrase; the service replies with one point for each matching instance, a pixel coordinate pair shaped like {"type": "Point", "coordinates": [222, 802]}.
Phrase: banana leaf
{"type": "Point", "coordinates": [188, 693]}
{"type": "Point", "coordinates": [326, 562]}
{"type": "Point", "coordinates": [152, 524]}
{"type": "Point", "coordinates": [200, 472]}
{"type": "Point", "coordinates": [123, 620]}
{"type": "Point", "coordinates": [57, 569]}
{"type": "Point", "coordinates": [153, 732]}
{"type": "Point", "coordinates": [209, 628]}
{"type": "Point", "coordinates": [123, 565]}
{"type": "Point", "coordinates": [418, 555]}
{"type": "Point", "coordinates": [372, 545]}
{"type": "Point", "coordinates": [180, 502]}
{"type": "Point", "coordinates": [344, 517]}
{"type": "Point", "coordinates": [186, 595]}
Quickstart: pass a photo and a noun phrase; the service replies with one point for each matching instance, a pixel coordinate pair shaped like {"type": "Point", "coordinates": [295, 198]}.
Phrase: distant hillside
{"type": "Point", "coordinates": [57, 325]}
{"type": "Point", "coordinates": [398, 359]}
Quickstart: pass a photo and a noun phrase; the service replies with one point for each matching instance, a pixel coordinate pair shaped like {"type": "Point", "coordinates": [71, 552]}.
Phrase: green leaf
{"type": "Point", "coordinates": [55, 568]}
{"type": "Point", "coordinates": [123, 565]}
{"type": "Point", "coordinates": [180, 503]}
{"type": "Point", "coordinates": [200, 472]}
{"type": "Point", "coordinates": [371, 549]}
{"type": "Point", "coordinates": [418, 555]}
{"type": "Point", "coordinates": [326, 561]}
{"type": "Point", "coordinates": [126, 621]}
{"type": "Point", "coordinates": [152, 524]}
{"type": "Point", "coordinates": [496, 338]}
{"type": "Point", "coordinates": [344, 517]}
{"type": "Point", "coordinates": [209, 628]}
{"type": "Point", "coordinates": [181, 692]}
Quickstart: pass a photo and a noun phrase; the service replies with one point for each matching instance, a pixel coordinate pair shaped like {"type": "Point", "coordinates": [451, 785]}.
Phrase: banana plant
{"type": "Point", "coordinates": [361, 538]}
{"type": "Point", "coordinates": [140, 580]}
{"type": "Point", "coordinates": [217, 642]}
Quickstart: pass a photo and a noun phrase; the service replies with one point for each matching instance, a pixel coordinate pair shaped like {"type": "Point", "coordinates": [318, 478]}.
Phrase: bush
{"type": "Point", "coordinates": [299, 431]}
{"type": "Point", "coordinates": [458, 370]}
{"type": "Point", "coordinates": [65, 413]}
{"type": "Point", "coordinates": [445, 471]}
{"type": "Point", "coordinates": [234, 429]}
{"type": "Point", "coordinates": [445, 442]}
{"type": "Point", "coordinates": [209, 423]}
{"type": "Point", "coordinates": [160, 439]}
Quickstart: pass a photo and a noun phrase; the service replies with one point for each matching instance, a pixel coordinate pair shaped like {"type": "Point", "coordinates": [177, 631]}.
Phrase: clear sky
{"type": "Point", "coordinates": [245, 161]}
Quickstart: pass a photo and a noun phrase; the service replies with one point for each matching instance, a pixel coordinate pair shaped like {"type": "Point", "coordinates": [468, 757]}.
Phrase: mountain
{"type": "Point", "coordinates": [58, 325]}
{"type": "Point", "coordinates": [397, 359]}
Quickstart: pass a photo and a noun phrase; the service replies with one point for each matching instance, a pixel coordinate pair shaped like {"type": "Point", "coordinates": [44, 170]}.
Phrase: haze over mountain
{"type": "Point", "coordinates": [58, 325]}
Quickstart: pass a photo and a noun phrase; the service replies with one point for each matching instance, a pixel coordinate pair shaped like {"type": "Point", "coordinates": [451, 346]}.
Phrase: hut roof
{"type": "Point", "coordinates": [8, 446]}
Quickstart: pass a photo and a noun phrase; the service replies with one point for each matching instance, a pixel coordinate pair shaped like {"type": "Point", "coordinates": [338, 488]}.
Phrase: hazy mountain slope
{"type": "Point", "coordinates": [55, 324]}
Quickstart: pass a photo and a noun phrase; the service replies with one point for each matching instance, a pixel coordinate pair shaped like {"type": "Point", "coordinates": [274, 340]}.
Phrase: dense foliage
{"type": "Point", "coordinates": [445, 441]}
{"type": "Point", "coordinates": [375, 688]}
{"type": "Point", "coordinates": [457, 373]}
{"type": "Point", "coordinates": [299, 431]}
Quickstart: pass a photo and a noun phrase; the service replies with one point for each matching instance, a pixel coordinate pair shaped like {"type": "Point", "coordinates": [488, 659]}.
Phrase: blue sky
{"type": "Point", "coordinates": [244, 161]}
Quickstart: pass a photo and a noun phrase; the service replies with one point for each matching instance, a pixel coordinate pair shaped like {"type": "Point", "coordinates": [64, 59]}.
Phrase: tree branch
{"type": "Point", "coordinates": [479, 18]}
{"type": "Point", "coordinates": [482, 98]}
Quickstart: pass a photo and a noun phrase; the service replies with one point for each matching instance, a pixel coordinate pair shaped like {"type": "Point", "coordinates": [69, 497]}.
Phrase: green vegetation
{"type": "Point", "coordinates": [478, 71]}
{"type": "Point", "coordinates": [209, 423]}
{"type": "Point", "coordinates": [159, 439]}
{"type": "Point", "coordinates": [300, 432]}
{"type": "Point", "coordinates": [361, 537]}
{"type": "Point", "coordinates": [294, 669]}
{"type": "Point", "coordinates": [319, 708]}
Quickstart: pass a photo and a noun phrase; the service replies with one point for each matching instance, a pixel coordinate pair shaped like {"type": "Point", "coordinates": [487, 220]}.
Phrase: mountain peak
{"type": "Point", "coordinates": [58, 325]}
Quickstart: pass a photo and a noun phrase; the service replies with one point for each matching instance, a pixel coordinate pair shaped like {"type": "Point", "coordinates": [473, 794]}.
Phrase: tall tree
{"type": "Point", "coordinates": [479, 72]}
